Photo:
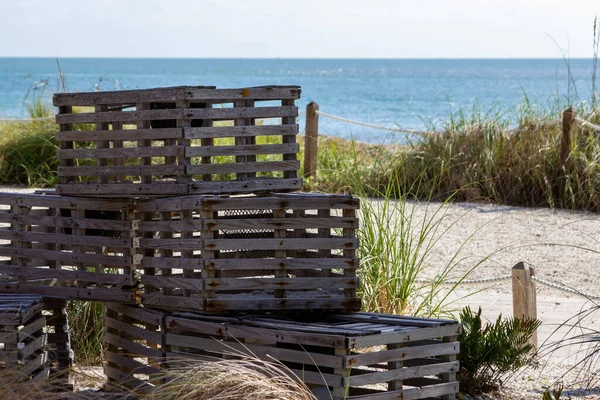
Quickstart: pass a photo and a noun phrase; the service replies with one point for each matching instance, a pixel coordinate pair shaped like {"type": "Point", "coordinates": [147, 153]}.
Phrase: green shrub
{"type": "Point", "coordinates": [489, 353]}
{"type": "Point", "coordinates": [28, 154]}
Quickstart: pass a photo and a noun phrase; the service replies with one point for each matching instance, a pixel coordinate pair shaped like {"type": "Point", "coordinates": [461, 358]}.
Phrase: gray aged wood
{"type": "Point", "coordinates": [169, 136]}
{"type": "Point", "coordinates": [251, 253]}
{"type": "Point", "coordinates": [321, 352]}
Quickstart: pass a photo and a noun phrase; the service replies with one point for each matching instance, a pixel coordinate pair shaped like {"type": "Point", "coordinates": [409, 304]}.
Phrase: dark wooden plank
{"type": "Point", "coordinates": [239, 131]}
{"type": "Point", "coordinates": [120, 134]}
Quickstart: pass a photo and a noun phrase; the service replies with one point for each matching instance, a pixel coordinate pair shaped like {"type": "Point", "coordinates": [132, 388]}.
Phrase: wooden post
{"type": "Point", "coordinates": [310, 140]}
{"type": "Point", "coordinates": [524, 296]}
{"type": "Point", "coordinates": [565, 142]}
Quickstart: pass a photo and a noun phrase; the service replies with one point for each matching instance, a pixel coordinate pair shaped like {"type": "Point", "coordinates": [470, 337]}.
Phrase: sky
{"type": "Point", "coordinates": [298, 29]}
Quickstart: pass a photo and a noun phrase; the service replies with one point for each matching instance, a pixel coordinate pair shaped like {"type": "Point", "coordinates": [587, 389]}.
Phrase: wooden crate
{"type": "Point", "coordinates": [60, 354]}
{"type": "Point", "coordinates": [277, 252]}
{"type": "Point", "coordinates": [72, 248]}
{"type": "Point", "coordinates": [177, 141]}
{"type": "Point", "coordinates": [361, 355]}
{"type": "Point", "coordinates": [23, 355]}
{"type": "Point", "coordinates": [134, 342]}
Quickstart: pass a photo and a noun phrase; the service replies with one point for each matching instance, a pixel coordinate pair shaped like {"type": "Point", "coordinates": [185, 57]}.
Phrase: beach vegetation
{"type": "Point", "coordinates": [490, 352]}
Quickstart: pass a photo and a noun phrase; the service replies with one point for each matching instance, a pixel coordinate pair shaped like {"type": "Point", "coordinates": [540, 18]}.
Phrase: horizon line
{"type": "Point", "coordinates": [296, 58]}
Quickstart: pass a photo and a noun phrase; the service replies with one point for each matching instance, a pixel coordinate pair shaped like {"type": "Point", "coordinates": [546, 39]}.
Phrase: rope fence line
{"type": "Point", "coordinates": [415, 132]}
{"type": "Point", "coordinates": [465, 281]}
{"type": "Point", "coordinates": [587, 123]}
{"type": "Point", "coordinates": [544, 282]}
{"type": "Point", "coordinates": [350, 121]}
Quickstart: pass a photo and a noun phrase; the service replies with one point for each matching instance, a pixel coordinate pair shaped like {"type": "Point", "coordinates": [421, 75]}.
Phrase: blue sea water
{"type": "Point", "coordinates": [402, 92]}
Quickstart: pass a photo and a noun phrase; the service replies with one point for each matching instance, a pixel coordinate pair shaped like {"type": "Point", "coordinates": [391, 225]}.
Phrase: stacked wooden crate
{"type": "Point", "coordinates": [171, 208]}
{"type": "Point", "coordinates": [33, 344]}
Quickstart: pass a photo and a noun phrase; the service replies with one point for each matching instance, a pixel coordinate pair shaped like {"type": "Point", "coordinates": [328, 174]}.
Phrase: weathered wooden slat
{"type": "Point", "coordinates": [242, 167]}
{"type": "Point", "coordinates": [403, 353]}
{"type": "Point", "coordinates": [121, 116]}
{"type": "Point", "coordinates": [404, 373]}
{"type": "Point", "coordinates": [263, 352]}
{"type": "Point", "coordinates": [173, 282]}
{"type": "Point", "coordinates": [236, 150]}
{"type": "Point", "coordinates": [158, 170]}
{"type": "Point", "coordinates": [120, 134]}
{"type": "Point", "coordinates": [204, 325]}
{"type": "Point", "coordinates": [124, 152]}
{"type": "Point", "coordinates": [30, 330]}
{"type": "Point", "coordinates": [258, 283]}
{"type": "Point", "coordinates": [280, 223]}
{"type": "Point", "coordinates": [258, 185]}
{"type": "Point", "coordinates": [62, 238]}
{"type": "Point", "coordinates": [132, 330]}
{"type": "Point", "coordinates": [141, 314]}
{"type": "Point", "coordinates": [39, 200]}
{"type": "Point", "coordinates": [240, 112]}
{"type": "Point", "coordinates": [67, 222]}
{"type": "Point", "coordinates": [406, 336]}
{"type": "Point", "coordinates": [126, 379]}
{"type": "Point", "coordinates": [300, 201]}
{"type": "Point", "coordinates": [175, 226]}
{"type": "Point", "coordinates": [172, 244]}
{"type": "Point", "coordinates": [239, 131]}
{"type": "Point", "coordinates": [65, 257]}
{"type": "Point", "coordinates": [116, 189]}
{"type": "Point", "coordinates": [31, 273]}
{"type": "Point", "coordinates": [133, 366]}
{"type": "Point", "coordinates": [425, 392]}
{"type": "Point", "coordinates": [245, 304]}
{"type": "Point", "coordinates": [124, 96]}
{"type": "Point", "coordinates": [252, 93]}
{"type": "Point", "coordinates": [290, 263]}
{"type": "Point", "coordinates": [279, 244]}
{"type": "Point", "coordinates": [131, 346]}
{"type": "Point", "coordinates": [71, 293]}
{"type": "Point", "coordinates": [158, 300]}
{"type": "Point", "coordinates": [172, 262]}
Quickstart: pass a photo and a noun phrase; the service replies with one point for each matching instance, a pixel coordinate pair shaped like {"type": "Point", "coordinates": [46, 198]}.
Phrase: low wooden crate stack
{"type": "Point", "coordinates": [172, 209]}
{"type": "Point", "coordinates": [33, 346]}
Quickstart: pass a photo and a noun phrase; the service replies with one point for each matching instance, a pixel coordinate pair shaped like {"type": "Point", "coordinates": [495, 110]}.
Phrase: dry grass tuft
{"type": "Point", "coordinates": [240, 379]}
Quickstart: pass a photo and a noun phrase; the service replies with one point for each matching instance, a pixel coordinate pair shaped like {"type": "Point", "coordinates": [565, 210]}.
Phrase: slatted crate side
{"type": "Point", "coordinates": [413, 363]}
{"type": "Point", "coordinates": [131, 147]}
{"type": "Point", "coordinates": [282, 232]}
{"type": "Point", "coordinates": [245, 141]}
{"type": "Point", "coordinates": [22, 338]}
{"type": "Point", "coordinates": [61, 246]}
{"type": "Point", "coordinates": [248, 156]}
{"type": "Point", "coordinates": [114, 159]}
{"type": "Point", "coordinates": [252, 252]}
{"type": "Point", "coordinates": [135, 349]}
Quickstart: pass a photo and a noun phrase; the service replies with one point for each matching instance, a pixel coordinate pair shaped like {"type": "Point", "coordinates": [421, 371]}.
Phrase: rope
{"type": "Point", "coordinates": [564, 288]}
{"type": "Point", "coordinates": [465, 281]}
{"type": "Point", "coordinates": [371, 125]}
{"type": "Point", "coordinates": [544, 282]}
{"type": "Point", "coordinates": [587, 123]}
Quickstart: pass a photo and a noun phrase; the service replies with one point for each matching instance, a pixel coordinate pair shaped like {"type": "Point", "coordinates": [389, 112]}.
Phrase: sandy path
{"type": "Point", "coordinates": [563, 246]}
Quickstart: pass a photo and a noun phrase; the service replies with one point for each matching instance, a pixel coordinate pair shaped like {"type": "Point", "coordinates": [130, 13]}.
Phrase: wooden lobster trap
{"type": "Point", "coordinates": [23, 354]}
{"type": "Point", "coordinates": [177, 141]}
{"type": "Point", "coordinates": [250, 253]}
{"type": "Point", "coordinates": [356, 356]}
{"type": "Point", "coordinates": [134, 342]}
{"type": "Point", "coordinates": [71, 248]}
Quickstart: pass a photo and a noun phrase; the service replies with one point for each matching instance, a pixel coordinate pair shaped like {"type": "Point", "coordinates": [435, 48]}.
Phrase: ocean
{"type": "Point", "coordinates": [406, 93]}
